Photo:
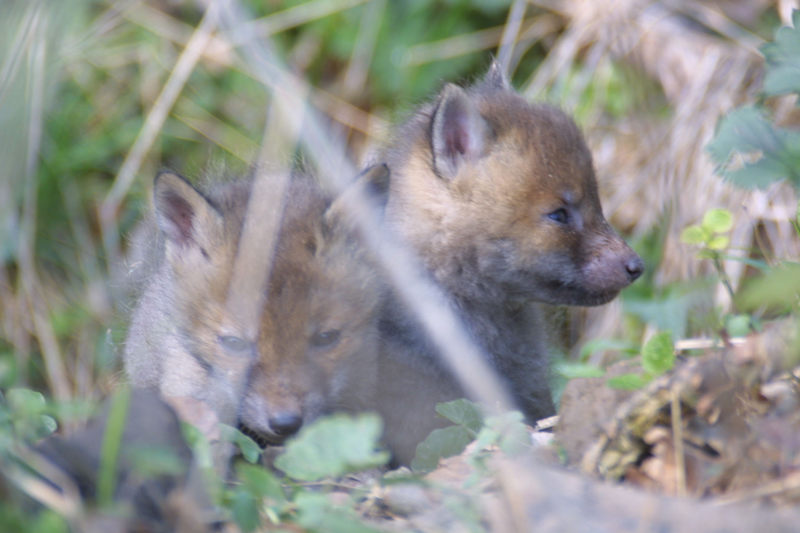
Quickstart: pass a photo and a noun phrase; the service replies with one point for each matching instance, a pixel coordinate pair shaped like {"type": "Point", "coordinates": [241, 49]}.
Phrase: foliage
{"type": "Point", "coordinates": [333, 447]}
{"type": "Point", "coordinates": [749, 148]}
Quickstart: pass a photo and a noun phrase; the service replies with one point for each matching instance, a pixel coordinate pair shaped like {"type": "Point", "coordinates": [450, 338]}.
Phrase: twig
{"type": "Point", "coordinates": [677, 442]}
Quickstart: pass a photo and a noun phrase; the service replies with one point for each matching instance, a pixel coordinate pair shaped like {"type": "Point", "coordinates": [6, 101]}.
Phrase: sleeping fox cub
{"type": "Point", "coordinates": [498, 199]}
{"type": "Point", "coordinates": [315, 347]}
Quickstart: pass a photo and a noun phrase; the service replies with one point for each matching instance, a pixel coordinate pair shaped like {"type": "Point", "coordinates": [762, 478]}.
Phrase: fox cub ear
{"type": "Point", "coordinates": [459, 132]}
{"type": "Point", "coordinates": [496, 78]}
{"type": "Point", "coordinates": [372, 184]}
{"type": "Point", "coordinates": [184, 216]}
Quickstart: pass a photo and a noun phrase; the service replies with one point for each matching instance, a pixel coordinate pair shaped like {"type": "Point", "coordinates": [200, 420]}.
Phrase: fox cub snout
{"type": "Point", "coordinates": [314, 351]}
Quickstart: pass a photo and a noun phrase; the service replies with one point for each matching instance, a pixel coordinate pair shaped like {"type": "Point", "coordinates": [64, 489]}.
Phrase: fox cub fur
{"type": "Point", "coordinates": [315, 348]}
{"type": "Point", "coordinates": [498, 199]}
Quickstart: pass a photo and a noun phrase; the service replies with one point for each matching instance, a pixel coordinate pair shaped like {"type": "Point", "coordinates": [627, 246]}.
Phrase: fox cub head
{"type": "Point", "coordinates": [315, 347]}
{"type": "Point", "coordinates": [499, 196]}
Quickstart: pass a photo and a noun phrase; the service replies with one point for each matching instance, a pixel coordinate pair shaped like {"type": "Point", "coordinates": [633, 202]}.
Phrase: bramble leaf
{"type": "Point", "coordinates": [658, 354]}
{"type": "Point", "coordinates": [333, 446]}
{"type": "Point", "coordinates": [441, 443]}
{"type": "Point", "coordinates": [462, 412]}
{"type": "Point", "coordinates": [782, 60]}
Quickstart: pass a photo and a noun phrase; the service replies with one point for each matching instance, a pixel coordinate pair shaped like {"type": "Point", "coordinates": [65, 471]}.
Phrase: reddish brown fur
{"type": "Point", "coordinates": [498, 198]}
{"type": "Point", "coordinates": [315, 348]}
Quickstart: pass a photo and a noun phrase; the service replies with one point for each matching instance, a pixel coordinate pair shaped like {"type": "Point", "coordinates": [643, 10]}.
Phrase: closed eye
{"type": "Point", "coordinates": [560, 216]}
{"type": "Point", "coordinates": [326, 339]}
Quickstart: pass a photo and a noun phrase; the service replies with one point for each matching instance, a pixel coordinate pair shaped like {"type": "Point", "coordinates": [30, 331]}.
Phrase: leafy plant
{"type": "Point", "coordinates": [749, 148]}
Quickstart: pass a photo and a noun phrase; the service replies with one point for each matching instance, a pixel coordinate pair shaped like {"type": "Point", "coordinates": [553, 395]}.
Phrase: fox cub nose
{"type": "Point", "coordinates": [285, 424]}
{"type": "Point", "coordinates": [634, 266]}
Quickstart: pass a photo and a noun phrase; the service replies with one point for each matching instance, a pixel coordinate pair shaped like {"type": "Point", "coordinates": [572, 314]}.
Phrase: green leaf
{"type": "Point", "coordinates": [441, 443]}
{"type": "Point", "coordinates": [513, 436]}
{"type": "Point", "coordinates": [628, 382]}
{"type": "Point", "coordinates": [251, 451]}
{"type": "Point", "coordinates": [316, 512]}
{"type": "Point", "coordinates": [600, 345]}
{"type": "Point", "coordinates": [718, 220]}
{"type": "Point", "coordinates": [462, 412]}
{"type": "Point", "coordinates": [773, 153]}
{"type": "Point", "coordinates": [245, 510]}
{"type": "Point", "coordinates": [333, 446]}
{"type": "Point", "coordinates": [778, 287]}
{"type": "Point", "coordinates": [783, 60]}
{"type": "Point", "coordinates": [572, 370]}
{"type": "Point", "coordinates": [737, 325]}
{"type": "Point", "coordinates": [260, 482]}
{"type": "Point", "coordinates": [718, 242]}
{"type": "Point", "coordinates": [26, 401]}
{"type": "Point", "coordinates": [658, 354]}
{"type": "Point", "coordinates": [694, 235]}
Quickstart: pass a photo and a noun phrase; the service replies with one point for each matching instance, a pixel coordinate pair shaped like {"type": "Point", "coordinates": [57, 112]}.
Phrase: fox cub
{"type": "Point", "coordinates": [499, 200]}
{"type": "Point", "coordinates": [315, 348]}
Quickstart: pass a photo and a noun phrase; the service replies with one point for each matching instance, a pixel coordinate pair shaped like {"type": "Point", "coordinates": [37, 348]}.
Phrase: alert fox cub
{"type": "Point", "coordinates": [315, 347]}
{"type": "Point", "coordinates": [499, 200]}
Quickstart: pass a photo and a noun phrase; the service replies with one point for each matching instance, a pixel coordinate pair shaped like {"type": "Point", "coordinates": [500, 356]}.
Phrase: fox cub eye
{"type": "Point", "coordinates": [234, 344]}
{"type": "Point", "coordinates": [324, 339]}
{"type": "Point", "coordinates": [560, 215]}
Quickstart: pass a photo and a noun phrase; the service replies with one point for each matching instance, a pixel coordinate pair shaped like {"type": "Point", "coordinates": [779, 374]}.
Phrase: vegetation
{"type": "Point", "coordinates": [96, 96]}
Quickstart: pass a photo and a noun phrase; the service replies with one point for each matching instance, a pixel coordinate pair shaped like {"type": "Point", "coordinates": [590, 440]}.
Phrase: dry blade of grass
{"type": "Point", "coordinates": [510, 33]}
{"type": "Point", "coordinates": [292, 17]}
{"type": "Point", "coordinates": [55, 368]}
{"type": "Point", "coordinates": [152, 126]}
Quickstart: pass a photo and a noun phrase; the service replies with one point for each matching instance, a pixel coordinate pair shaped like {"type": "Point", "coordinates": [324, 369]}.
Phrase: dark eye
{"type": "Point", "coordinates": [324, 339]}
{"type": "Point", "coordinates": [560, 215]}
{"type": "Point", "coordinates": [234, 344]}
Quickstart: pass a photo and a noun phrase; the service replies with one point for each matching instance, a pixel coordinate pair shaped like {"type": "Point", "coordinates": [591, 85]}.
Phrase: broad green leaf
{"type": "Point", "coordinates": [316, 512]}
{"type": "Point", "coordinates": [441, 443]}
{"type": "Point", "coordinates": [26, 401]}
{"type": "Point", "coordinates": [245, 510]}
{"type": "Point", "coordinates": [462, 412]}
{"type": "Point", "coordinates": [694, 235]}
{"type": "Point", "coordinates": [773, 153]}
{"type": "Point", "coordinates": [783, 60]}
{"type": "Point", "coordinates": [658, 354]}
{"type": "Point", "coordinates": [737, 325]}
{"type": "Point", "coordinates": [260, 482]}
{"type": "Point", "coordinates": [251, 451]}
{"type": "Point", "coordinates": [627, 382]}
{"type": "Point", "coordinates": [333, 446]}
{"type": "Point", "coordinates": [718, 220]}
{"type": "Point", "coordinates": [718, 242]}
{"type": "Point", "coordinates": [778, 287]}
{"type": "Point", "coordinates": [572, 370]}
{"type": "Point", "coordinates": [513, 436]}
